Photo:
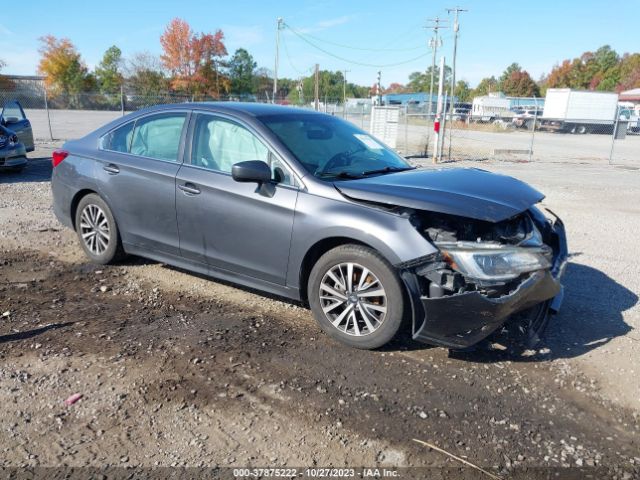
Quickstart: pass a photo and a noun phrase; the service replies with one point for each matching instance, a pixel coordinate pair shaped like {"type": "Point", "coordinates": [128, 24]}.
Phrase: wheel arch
{"type": "Point", "coordinates": [75, 201]}
{"type": "Point", "coordinates": [316, 251]}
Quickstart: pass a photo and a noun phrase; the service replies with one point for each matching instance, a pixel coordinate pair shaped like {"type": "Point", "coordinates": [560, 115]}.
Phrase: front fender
{"type": "Point", "coordinates": [320, 218]}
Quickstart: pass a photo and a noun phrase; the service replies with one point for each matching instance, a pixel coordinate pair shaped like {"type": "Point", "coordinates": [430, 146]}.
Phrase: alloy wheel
{"type": "Point", "coordinates": [353, 299]}
{"type": "Point", "coordinates": [94, 229]}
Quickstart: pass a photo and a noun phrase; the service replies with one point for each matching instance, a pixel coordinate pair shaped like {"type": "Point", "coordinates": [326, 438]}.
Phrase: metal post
{"type": "Point", "coordinates": [275, 70]}
{"type": "Point", "coordinates": [46, 107]}
{"type": "Point", "coordinates": [316, 88]}
{"type": "Point", "coordinates": [443, 126]}
{"type": "Point", "coordinates": [533, 130]}
{"type": "Point", "coordinates": [406, 129]}
{"type": "Point", "coordinates": [436, 123]}
{"type": "Point", "coordinates": [362, 117]}
{"type": "Point", "coordinates": [122, 99]}
{"type": "Point", "coordinates": [613, 136]}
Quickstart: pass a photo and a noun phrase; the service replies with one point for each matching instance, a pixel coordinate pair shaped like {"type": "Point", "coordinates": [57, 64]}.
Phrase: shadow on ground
{"type": "Point", "coordinates": [37, 170]}
{"type": "Point", "coordinates": [590, 317]}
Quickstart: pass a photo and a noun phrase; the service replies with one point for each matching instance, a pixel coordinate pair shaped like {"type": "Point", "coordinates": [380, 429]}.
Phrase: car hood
{"type": "Point", "coordinates": [467, 192]}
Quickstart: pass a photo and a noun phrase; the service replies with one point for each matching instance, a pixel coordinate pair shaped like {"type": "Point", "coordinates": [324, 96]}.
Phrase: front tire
{"type": "Point", "coordinates": [356, 296]}
{"type": "Point", "coordinates": [97, 230]}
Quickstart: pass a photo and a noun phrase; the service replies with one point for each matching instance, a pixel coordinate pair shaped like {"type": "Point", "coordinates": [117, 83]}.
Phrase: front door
{"type": "Point", "coordinates": [229, 225]}
{"type": "Point", "coordinates": [14, 119]}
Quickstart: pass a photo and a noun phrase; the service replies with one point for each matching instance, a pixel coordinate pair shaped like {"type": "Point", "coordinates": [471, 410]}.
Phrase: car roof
{"type": "Point", "coordinates": [242, 108]}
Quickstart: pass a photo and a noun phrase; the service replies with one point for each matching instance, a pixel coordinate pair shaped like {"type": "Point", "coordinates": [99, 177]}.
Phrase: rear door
{"type": "Point", "coordinates": [136, 173]}
{"type": "Point", "coordinates": [230, 225]}
{"type": "Point", "coordinates": [14, 119]}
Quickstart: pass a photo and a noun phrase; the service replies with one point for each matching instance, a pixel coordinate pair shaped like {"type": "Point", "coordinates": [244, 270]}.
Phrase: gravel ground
{"type": "Point", "coordinates": [178, 370]}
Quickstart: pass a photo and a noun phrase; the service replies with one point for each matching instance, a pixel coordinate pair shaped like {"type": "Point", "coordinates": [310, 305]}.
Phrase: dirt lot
{"type": "Point", "coordinates": [178, 370]}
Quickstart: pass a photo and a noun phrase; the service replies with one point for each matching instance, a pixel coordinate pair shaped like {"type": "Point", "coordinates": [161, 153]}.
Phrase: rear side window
{"type": "Point", "coordinates": [118, 140]}
{"type": "Point", "coordinates": [158, 136]}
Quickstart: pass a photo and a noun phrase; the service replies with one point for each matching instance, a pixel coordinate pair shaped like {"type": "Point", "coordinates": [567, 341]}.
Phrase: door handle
{"type": "Point", "coordinates": [189, 188]}
{"type": "Point", "coordinates": [111, 169]}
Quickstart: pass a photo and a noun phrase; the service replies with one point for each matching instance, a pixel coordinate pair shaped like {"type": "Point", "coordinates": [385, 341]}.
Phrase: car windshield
{"type": "Point", "coordinates": [331, 148]}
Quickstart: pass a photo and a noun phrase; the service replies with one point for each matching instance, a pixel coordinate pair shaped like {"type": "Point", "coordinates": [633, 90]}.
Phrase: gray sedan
{"type": "Point", "coordinates": [309, 207]}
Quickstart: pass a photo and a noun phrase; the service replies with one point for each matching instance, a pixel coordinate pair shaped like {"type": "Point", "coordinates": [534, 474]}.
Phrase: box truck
{"type": "Point", "coordinates": [577, 111]}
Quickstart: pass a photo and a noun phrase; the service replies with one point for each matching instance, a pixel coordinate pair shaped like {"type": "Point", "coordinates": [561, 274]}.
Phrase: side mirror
{"type": "Point", "coordinates": [251, 171]}
{"type": "Point", "coordinates": [10, 120]}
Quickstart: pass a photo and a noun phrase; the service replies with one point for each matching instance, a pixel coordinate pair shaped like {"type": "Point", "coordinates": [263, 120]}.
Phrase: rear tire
{"type": "Point", "coordinates": [356, 296]}
{"type": "Point", "coordinates": [97, 230]}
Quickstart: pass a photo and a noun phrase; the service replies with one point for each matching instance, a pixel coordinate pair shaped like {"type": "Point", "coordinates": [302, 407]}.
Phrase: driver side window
{"type": "Point", "coordinates": [218, 144]}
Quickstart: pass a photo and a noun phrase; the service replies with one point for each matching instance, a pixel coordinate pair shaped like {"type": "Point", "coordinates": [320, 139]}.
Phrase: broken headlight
{"type": "Point", "coordinates": [490, 262]}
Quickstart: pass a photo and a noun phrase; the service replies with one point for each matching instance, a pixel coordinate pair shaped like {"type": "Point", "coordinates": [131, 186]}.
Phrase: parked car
{"type": "Point", "coordinates": [307, 206]}
{"type": "Point", "coordinates": [525, 118]}
{"type": "Point", "coordinates": [13, 155]}
{"type": "Point", "coordinates": [13, 118]}
{"type": "Point", "coordinates": [461, 114]}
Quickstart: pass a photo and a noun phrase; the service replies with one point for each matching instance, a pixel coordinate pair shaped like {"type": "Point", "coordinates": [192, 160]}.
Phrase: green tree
{"type": "Point", "coordinates": [463, 91]}
{"type": "Point", "coordinates": [421, 81]}
{"type": "Point", "coordinates": [487, 85]}
{"type": "Point", "coordinates": [108, 72]}
{"type": "Point", "coordinates": [330, 88]}
{"type": "Point", "coordinates": [241, 68]}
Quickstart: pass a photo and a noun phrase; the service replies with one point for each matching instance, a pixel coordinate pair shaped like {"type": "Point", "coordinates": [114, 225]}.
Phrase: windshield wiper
{"type": "Point", "coordinates": [342, 174]}
{"type": "Point", "coordinates": [387, 170]}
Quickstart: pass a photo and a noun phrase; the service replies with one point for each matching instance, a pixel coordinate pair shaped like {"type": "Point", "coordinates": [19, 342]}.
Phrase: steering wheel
{"type": "Point", "coordinates": [339, 160]}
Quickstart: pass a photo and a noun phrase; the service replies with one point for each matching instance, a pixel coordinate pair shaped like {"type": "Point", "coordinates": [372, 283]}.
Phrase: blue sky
{"type": "Point", "coordinates": [536, 34]}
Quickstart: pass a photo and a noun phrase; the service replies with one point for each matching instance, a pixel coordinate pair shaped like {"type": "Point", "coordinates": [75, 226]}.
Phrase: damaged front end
{"type": "Point", "coordinates": [483, 273]}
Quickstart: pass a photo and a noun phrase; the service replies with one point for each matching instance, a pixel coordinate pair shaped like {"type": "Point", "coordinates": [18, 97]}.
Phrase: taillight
{"type": "Point", "coordinates": [58, 156]}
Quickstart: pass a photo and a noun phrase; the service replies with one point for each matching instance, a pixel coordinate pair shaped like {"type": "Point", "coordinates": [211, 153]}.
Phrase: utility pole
{"type": "Point", "coordinates": [279, 26]}
{"type": "Point", "coordinates": [434, 43]}
{"type": "Point", "coordinates": [344, 87]}
{"type": "Point", "coordinates": [316, 88]}
{"type": "Point", "coordinates": [456, 28]}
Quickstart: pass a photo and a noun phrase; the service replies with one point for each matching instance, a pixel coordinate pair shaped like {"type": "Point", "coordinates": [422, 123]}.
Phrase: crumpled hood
{"type": "Point", "coordinates": [467, 192]}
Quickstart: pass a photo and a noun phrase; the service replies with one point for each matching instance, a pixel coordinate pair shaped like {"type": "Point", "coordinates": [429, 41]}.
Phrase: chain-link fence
{"type": "Point", "coordinates": [518, 138]}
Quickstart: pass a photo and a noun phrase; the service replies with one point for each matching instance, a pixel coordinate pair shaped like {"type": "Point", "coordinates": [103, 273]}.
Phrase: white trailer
{"type": "Point", "coordinates": [489, 108]}
{"type": "Point", "coordinates": [577, 111]}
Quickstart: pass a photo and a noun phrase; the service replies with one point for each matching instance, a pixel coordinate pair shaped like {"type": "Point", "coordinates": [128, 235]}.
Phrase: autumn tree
{"type": "Point", "coordinates": [193, 59]}
{"type": "Point", "coordinates": [395, 87]}
{"type": "Point", "coordinates": [518, 83]}
{"type": "Point", "coordinates": [629, 72]}
{"type": "Point", "coordinates": [62, 67]}
{"type": "Point", "coordinates": [108, 72]}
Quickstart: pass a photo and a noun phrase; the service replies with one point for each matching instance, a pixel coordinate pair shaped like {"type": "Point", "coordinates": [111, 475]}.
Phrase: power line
{"type": "Point", "coordinates": [297, 70]}
{"type": "Point", "coordinates": [354, 62]}
{"type": "Point", "coordinates": [365, 49]}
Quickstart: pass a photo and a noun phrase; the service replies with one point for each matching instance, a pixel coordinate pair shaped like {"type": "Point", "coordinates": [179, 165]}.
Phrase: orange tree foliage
{"type": "Point", "coordinates": [193, 59]}
{"type": "Point", "coordinates": [62, 66]}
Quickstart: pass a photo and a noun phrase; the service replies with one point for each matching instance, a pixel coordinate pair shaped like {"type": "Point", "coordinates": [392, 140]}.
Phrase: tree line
{"type": "Point", "coordinates": [198, 65]}
{"type": "Point", "coordinates": [602, 70]}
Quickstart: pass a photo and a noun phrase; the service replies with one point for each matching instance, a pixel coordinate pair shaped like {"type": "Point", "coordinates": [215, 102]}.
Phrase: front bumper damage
{"type": "Point", "coordinates": [463, 319]}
